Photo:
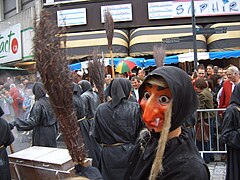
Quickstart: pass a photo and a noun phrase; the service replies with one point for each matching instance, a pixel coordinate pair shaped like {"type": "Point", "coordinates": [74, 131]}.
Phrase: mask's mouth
{"type": "Point", "coordinates": [154, 124]}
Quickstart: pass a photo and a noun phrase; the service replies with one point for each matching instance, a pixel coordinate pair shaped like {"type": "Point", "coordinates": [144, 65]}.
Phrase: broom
{"type": "Point", "coordinates": [159, 54]}
{"type": "Point", "coordinates": [51, 62]}
{"type": "Point", "coordinates": [109, 28]}
{"type": "Point", "coordinates": [96, 74]}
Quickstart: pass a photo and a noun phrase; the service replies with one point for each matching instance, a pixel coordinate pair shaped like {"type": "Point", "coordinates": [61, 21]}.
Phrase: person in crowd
{"type": "Point", "coordinates": [7, 84]}
{"type": "Point", "coordinates": [6, 103]}
{"type": "Point", "coordinates": [27, 84]}
{"type": "Point", "coordinates": [141, 74]}
{"type": "Point", "coordinates": [221, 73]}
{"type": "Point", "coordinates": [17, 100]}
{"type": "Point", "coordinates": [231, 135]}
{"type": "Point", "coordinates": [205, 102]}
{"type": "Point", "coordinates": [116, 126]}
{"type": "Point", "coordinates": [226, 91]}
{"type": "Point", "coordinates": [28, 100]}
{"type": "Point", "coordinates": [136, 82]}
{"type": "Point", "coordinates": [6, 139]}
{"type": "Point", "coordinates": [78, 103]}
{"type": "Point", "coordinates": [166, 150]}
{"type": "Point", "coordinates": [210, 70]}
{"type": "Point", "coordinates": [91, 101]}
{"type": "Point", "coordinates": [108, 80]}
{"type": "Point", "coordinates": [41, 120]}
{"type": "Point", "coordinates": [90, 98]}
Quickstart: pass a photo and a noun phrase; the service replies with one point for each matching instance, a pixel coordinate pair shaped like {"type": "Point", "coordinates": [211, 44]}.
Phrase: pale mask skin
{"type": "Point", "coordinates": [154, 103]}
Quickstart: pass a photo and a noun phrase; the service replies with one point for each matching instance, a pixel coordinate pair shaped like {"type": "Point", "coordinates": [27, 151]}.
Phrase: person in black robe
{"type": "Point", "coordinates": [231, 135]}
{"type": "Point", "coordinates": [116, 126]}
{"type": "Point", "coordinates": [90, 98]}
{"type": "Point", "coordinates": [6, 138]}
{"type": "Point", "coordinates": [78, 103]}
{"type": "Point", "coordinates": [165, 150]}
{"type": "Point", "coordinates": [41, 120]}
{"type": "Point", "coordinates": [90, 102]}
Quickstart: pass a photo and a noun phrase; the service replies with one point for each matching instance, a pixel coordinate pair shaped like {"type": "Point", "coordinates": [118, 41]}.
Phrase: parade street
{"type": "Point", "coordinates": [23, 141]}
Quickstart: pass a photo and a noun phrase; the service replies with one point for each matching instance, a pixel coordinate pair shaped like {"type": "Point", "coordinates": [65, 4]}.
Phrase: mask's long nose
{"type": "Point", "coordinates": [150, 110]}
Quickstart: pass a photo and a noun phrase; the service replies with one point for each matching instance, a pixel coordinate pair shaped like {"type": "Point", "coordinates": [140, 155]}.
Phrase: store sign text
{"type": "Point", "coordinates": [10, 44]}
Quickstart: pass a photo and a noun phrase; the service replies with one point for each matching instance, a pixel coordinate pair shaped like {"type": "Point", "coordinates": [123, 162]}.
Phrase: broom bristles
{"type": "Point", "coordinates": [52, 65]}
{"type": "Point", "coordinates": [159, 54]}
{"type": "Point", "coordinates": [109, 28]}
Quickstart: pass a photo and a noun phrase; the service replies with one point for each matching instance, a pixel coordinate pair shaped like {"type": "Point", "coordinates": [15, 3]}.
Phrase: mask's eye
{"type": "Point", "coordinates": [164, 99]}
{"type": "Point", "coordinates": [146, 95]}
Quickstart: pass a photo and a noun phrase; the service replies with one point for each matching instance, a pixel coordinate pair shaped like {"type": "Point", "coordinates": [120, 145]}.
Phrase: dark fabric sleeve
{"type": "Point", "coordinates": [30, 122]}
{"type": "Point", "coordinates": [10, 137]}
{"type": "Point", "coordinates": [230, 130]}
{"type": "Point", "coordinates": [197, 172]}
{"type": "Point", "coordinates": [5, 133]}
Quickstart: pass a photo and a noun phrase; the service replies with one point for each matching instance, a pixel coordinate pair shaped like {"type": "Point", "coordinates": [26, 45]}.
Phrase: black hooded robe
{"type": "Point", "coordinates": [6, 138]}
{"type": "Point", "coordinates": [92, 147]}
{"type": "Point", "coordinates": [181, 158]}
{"type": "Point", "coordinates": [116, 127]}
{"type": "Point", "coordinates": [41, 119]}
{"type": "Point", "coordinates": [231, 135]}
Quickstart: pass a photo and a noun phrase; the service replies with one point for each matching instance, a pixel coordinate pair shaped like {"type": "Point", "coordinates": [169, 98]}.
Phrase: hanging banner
{"type": "Point", "coordinates": [179, 9]}
{"type": "Point", "coordinates": [10, 44]}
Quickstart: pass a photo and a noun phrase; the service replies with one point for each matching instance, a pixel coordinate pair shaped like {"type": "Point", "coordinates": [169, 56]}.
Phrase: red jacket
{"type": "Point", "coordinates": [226, 94]}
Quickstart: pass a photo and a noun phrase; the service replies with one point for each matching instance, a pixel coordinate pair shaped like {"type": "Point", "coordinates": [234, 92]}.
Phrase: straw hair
{"type": "Point", "coordinates": [159, 54]}
{"type": "Point", "coordinates": [157, 166]}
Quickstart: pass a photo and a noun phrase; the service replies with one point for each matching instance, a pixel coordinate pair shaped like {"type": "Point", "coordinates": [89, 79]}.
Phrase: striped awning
{"type": "Point", "coordinates": [83, 44]}
{"type": "Point", "coordinates": [228, 41]}
{"type": "Point", "coordinates": [142, 40]}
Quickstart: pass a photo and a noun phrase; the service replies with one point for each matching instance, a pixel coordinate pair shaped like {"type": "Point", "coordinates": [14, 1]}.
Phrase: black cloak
{"type": "Point", "coordinates": [90, 98]}
{"type": "Point", "coordinates": [116, 127]}
{"type": "Point", "coordinates": [78, 103]}
{"type": "Point", "coordinates": [181, 158]}
{"type": "Point", "coordinates": [90, 103]}
{"type": "Point", "coordinates": [231, 135]}
{"type": "Point", "coordinates": [6, 138]}
{"type": "Point", "coordinates": [41, 119]}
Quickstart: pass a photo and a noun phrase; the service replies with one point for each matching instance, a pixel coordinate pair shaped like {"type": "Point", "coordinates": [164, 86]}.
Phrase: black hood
{"type": "Point", "coordinates": [235, 98]}
{"type": "Point", "coordinates": [185, 100]}
{"type": "Point", "coordinates": [119, 89]}
{"type": "Point", "coordinates": [86, 85]}
{"type": "Point", "coordinates": [77, 89]}
{"type": "Point", "coordinates": [39, 90]}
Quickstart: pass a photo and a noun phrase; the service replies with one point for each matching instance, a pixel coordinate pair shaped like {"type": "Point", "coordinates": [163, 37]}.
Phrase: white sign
{"type": "Point", "coordinates": [122, 12]}
{"type": "Point", "coordinates": [10, 44]}
{"type": "Point", "coordinates": [72, 17]}
{"type": "Point", "coordinates": [178, 9]}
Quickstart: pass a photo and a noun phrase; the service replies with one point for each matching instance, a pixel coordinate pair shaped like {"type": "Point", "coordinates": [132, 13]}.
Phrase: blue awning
{"type": "Point", "coordinates": [224, 54]}
{"type": "Point", "coordinates": [189, 57]}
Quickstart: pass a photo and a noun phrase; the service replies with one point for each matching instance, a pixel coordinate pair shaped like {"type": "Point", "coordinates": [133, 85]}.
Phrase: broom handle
{"type": "Point", "coordinates": [113, 72]}
{"type": "Point", "coordinates": [11, 148]}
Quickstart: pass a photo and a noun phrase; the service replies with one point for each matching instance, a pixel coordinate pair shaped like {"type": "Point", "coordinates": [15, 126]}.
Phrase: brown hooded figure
{"type": "Point", "coordinates": [165, 150]}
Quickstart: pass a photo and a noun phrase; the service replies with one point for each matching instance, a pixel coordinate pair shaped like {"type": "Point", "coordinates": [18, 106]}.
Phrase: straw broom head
{"type": "Point", "coordinates": [159, 54]}
{"type": "Point", "coordinates": [109, 28]}
{"type": "Point", "coordinates": [51, 62]}
{"type": "Point", "coordinates": [96, 74]}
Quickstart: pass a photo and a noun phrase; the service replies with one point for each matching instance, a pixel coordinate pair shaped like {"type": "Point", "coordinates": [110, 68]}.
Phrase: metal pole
{"type": "Point", "coordinates": [194, 36]}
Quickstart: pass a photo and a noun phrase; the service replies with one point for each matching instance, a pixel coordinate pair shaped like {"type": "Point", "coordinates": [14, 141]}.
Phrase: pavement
{"type": "Point", "coordinates": [217, 170]}
{"type": "Point", "coordinates": [23, 141]}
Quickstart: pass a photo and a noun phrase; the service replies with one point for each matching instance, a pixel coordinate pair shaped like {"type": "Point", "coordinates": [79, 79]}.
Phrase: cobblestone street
{"type": "Point", "coordinates": [217, 170]}
{"type": "Point", "coordinates": [23, 141]}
